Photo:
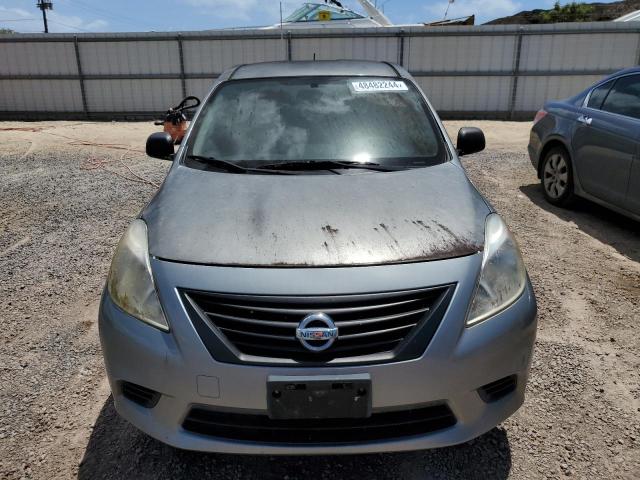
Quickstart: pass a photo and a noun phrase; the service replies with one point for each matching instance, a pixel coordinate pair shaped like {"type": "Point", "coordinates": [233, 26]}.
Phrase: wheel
{"type": "Point", "coordinates": [557, 177]}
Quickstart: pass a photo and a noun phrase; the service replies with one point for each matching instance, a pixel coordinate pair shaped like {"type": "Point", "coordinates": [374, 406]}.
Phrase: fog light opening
{"type": "Point", "coordinates": [144, 397]}
{"type": "Point", "coordinates": [494, 391]}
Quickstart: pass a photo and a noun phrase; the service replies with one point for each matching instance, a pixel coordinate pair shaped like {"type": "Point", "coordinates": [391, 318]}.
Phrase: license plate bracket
{"type": "Point", "coordinates": [317, 397]}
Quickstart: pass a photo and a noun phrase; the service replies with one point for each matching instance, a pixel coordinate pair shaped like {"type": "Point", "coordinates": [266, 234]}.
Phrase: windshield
{"type": "Point", "coordinates": [314, 119]}
{"type": "Point", "coordinates": [310, 12]}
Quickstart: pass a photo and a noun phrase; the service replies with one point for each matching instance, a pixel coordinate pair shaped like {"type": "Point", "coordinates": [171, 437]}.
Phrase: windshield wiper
{"type": "Point", "coordinates": [325, 165]}
{"type": "Point", "coordinates": [233, 167]}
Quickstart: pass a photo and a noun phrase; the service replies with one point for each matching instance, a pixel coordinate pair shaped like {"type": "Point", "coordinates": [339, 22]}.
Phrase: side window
{"type": "Point", "coordinates": [599, 94]}
{"type": "Point", "coordinates": [624, 98]}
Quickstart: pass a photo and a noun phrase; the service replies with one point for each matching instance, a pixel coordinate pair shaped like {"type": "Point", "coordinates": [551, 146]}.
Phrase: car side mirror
{"type": "Point", "coordinates": [160, 145]}
{"type": "Point", "coordinates": [470, 140]}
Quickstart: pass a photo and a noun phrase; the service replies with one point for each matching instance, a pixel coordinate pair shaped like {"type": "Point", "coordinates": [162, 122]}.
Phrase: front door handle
{"type": "Point", "coordinates": [585, 120]}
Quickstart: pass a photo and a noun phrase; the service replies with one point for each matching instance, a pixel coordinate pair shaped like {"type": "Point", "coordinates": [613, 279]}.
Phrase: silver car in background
{"type": "Point", "coordinates": [589, 145]}
{"type": "Point", "coordinates": [317, 275]}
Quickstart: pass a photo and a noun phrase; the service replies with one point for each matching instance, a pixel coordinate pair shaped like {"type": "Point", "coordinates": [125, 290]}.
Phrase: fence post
{"type": "Point", "coordinates": [83, 93]}
{"type": "Point", "coordinates": [401, 36]}
{"type": "Point", "coordinates": [183, 80]}
{"type": "Point", "coordinates": [515, 74]}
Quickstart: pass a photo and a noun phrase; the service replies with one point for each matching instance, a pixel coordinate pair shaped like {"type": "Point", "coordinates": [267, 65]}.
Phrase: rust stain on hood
{"type": "Point", "coordinates": [316, 220]}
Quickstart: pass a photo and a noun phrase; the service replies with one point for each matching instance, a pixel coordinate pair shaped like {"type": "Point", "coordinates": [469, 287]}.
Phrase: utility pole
{"type": "Point", "coordinates": [44, 6]}
{"type": "Point", "coordinates": [448, 6]}
{"type": "Point", "coordinates": [284, 46]}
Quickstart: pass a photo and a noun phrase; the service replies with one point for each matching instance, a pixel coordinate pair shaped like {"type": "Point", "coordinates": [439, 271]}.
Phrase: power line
{"type": "Point", "coordinates": [70, 26]}
{"type": "Point", "coordinates": [106, 13]}
{"type": "Point", "coordinates": [92, 10]}
{"type": "Point", "coordinates": [49, 20]}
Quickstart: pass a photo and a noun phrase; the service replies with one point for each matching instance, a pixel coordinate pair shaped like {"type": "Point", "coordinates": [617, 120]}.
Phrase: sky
{"type": "Point", "coordinates": [176, 15]}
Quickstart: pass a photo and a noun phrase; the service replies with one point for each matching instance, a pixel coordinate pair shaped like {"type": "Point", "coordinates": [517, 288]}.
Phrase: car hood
{"type": "Point", "coordinates": [360, 218]}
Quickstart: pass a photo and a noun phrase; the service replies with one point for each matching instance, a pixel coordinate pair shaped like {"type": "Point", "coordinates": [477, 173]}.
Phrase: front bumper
{"type": "Point", "coordinates": [457, 362]}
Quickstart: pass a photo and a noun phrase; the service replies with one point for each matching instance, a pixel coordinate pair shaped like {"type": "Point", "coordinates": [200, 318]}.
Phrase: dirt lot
{"type": "Point", "coordinates": [67, 191]}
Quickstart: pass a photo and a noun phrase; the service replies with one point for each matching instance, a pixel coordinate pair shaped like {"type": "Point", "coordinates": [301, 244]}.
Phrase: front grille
{"type": "Point", "coordinates": [260, 428]}
{"type": "Point", "coordinates": [144, 397]}
{"type": "Point", "coordinates": [494, 391]}
{"type": "Point", "coordinates": [380, 327]}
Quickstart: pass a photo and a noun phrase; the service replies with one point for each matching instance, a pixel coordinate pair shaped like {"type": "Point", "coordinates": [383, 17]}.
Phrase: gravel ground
{"type": "Point", "coordinates": [67, 191]}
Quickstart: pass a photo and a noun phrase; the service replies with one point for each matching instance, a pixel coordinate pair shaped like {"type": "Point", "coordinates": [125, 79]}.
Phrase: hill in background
{"type": "Point", "coordinates": [594, 12]}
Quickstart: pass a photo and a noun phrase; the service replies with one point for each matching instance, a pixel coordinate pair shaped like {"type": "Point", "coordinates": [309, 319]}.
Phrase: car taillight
{"type": "Point", "coordinates": [539, 116]}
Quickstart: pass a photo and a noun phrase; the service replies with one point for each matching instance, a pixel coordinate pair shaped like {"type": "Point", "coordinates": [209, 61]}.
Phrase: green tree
{"type": "Point", "coordinates": [6, 30]}
{"type": "Point", "coordinates": [571, 12]}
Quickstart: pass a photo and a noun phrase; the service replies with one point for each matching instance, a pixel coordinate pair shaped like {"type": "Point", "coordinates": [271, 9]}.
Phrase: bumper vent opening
{"type": "Point", "coordinates": [142, 396]}
{"type": "Point", "coordinates": [260, 428]}
{"type": "Point", "coordinates": [494, 391]}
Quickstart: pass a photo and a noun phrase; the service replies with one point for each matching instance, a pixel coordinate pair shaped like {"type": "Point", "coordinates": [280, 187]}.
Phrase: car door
{"type": "Point", "coordinates": [604, 141]}
{"type": "Point", "coordinates": [624, 100]}
{"type": "Point", "coordinates": [633, 192]}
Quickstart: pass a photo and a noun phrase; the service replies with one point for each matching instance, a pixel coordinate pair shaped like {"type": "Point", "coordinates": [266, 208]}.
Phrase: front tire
{"type": "Point", "coordinates": [556, 177]}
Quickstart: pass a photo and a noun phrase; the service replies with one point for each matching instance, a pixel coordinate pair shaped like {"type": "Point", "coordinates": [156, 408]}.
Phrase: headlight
{"type": "Point", "coordinates": [130, 282]}
{"type": "Point", "coordinates": [503, 276]}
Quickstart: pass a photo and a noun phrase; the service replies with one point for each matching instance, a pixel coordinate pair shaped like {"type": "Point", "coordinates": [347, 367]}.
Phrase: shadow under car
{"type": "Point", "coordinates": [606, 226]}
{"type": "Point", "coordinates": [116, 449]}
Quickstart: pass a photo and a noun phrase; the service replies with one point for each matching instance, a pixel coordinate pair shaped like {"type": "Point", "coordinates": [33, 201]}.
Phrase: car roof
{"type": "Point", "coordinates": [581, 96]}
{"type": "Point", "coordinates": [626, 71]}
{"type": "Point", "coordinates": [317, 69]}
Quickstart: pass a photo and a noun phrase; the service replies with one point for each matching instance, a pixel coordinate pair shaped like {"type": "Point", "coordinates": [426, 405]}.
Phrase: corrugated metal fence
{"type": "Point", "coordinates": [482, 72]}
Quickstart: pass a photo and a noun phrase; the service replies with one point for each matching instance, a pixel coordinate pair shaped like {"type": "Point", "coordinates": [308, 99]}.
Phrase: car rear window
{"type": "Point", "coordinates": [313, 119]}
{"type": "Point", "coordinates": [599, 94]}
{"type": "Point", "coordinates": [624, 97]}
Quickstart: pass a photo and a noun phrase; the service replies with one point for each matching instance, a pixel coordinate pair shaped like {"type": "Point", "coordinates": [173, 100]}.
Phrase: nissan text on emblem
{"type": "Point", "coordinates": [317, 332]}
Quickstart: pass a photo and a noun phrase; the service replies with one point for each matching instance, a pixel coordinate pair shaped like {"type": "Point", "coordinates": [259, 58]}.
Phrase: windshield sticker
{"type": "Point", "coordinates": [379, 86]}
